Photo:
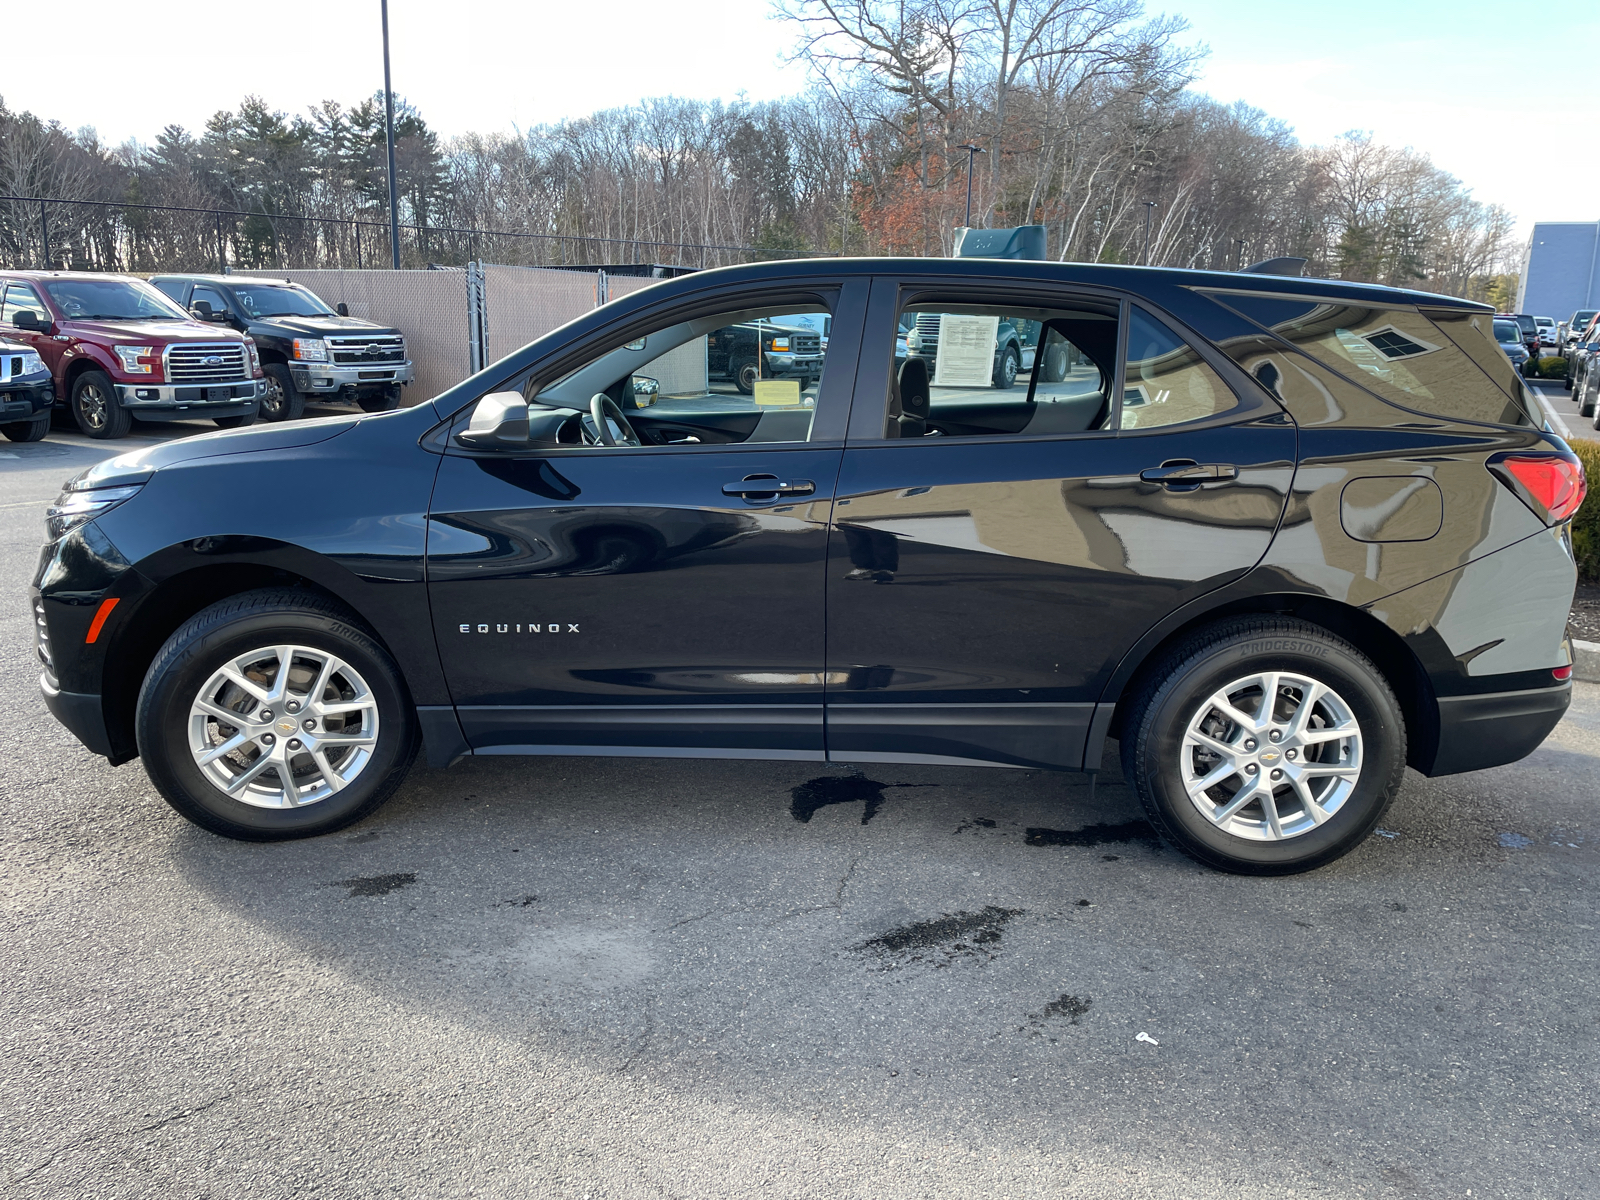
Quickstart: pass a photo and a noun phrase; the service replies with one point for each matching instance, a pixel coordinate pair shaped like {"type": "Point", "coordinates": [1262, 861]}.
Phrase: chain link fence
{"type": "Point", "coordinates": [84, 235]}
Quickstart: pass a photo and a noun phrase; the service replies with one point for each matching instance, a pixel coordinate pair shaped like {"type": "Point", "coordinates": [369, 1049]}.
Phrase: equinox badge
{"type": "Point", "coordinates": [546, 627]}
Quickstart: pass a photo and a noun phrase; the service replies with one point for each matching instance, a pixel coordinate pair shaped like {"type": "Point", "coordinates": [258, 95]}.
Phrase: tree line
{"type": "Point", "coordinates": [1080, 115]}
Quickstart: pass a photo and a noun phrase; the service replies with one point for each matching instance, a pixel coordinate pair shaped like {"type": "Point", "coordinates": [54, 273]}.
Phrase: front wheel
{"type": "Point", "coordinates": [236, 422]}
{"type": "Point", "coordinates": [275, 715]}
{"type": "Point", "coordinates": [96, 408]}
{"type": "Point", "coordinates": [280, 399]}
{"type": "Point", "coordinates": [1264, 746]}
{"type": "Point", "coordinates": [745, 375]}
{"type": "Point", "coordinates": [32, 430]}
{"type": "Point", "coordinates": [1005, 373]}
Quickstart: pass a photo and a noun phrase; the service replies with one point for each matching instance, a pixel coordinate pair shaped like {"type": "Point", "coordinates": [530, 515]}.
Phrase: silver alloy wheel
{"type": "Point", "coordinates": [93, 407]}
{"type": "Point", "coordinates": [1271, 756]}
{"type": "Point", "coordinates": [283, 726]}
{"type": "Point", "coordinates": [273, 401]}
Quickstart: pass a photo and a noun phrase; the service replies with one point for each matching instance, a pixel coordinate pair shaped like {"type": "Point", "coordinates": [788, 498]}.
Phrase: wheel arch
{"type": "Point", "coordinates": [180, 592]}
{"type": "Point", "coordinates": [80, 367]}
{"type": "Point", "coordinates": [1388, 651]}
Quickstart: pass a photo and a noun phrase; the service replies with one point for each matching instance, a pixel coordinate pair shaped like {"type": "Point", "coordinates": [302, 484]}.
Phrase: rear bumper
{"type": "Point", "coordinates": [1496, 728]}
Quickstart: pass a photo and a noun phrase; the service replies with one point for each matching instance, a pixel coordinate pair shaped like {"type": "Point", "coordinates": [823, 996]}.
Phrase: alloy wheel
{"type": "Point", "coordinates": [272, 398]}
{"type": "Point", "coordinates": [283, 726]}
{"type": "Point", "coordinates": [1271, 756]}
{"type": "Point", "coordinates": [93, 407]}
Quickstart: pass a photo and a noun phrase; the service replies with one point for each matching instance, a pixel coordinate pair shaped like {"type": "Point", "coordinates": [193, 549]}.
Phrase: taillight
{"type": "Point", "coordinates": [1552, 484]}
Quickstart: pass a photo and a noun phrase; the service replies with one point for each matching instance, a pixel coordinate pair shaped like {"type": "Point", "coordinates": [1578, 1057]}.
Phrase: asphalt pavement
{"type": "Point", "coordinates": [611, 978]}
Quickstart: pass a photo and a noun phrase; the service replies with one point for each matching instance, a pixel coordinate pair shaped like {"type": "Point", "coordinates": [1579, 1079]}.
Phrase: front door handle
{"type": "Point", "coordinates": [768, 485]}
{"type": "Point", "coordinates": [1178, 472]}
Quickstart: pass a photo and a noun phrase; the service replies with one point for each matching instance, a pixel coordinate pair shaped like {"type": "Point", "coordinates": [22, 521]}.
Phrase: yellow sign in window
{"type": "Point", "coordinates": [778, 393]}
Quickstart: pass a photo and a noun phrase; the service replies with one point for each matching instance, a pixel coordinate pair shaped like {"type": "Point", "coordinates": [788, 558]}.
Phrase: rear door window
{"type": "Point", "coordinates": [1397, 353]}
{"type": "Point", "coordinates": [1167, 382]}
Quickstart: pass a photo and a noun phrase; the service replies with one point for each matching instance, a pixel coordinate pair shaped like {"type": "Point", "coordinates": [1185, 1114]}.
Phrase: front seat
{"type": "Point", "coordinates": [915, 398]}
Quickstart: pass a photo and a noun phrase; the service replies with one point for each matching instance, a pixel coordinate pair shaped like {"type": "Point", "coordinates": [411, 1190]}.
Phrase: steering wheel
{"type": "Point", "coordinates": [602, 406]}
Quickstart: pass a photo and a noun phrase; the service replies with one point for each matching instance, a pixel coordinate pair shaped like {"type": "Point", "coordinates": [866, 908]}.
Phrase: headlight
{"type": "Point", "coordinates": [31, 362]}
{"type": "Point", "coordinates": [130, 356]}
{"type": "Point", "coordinates": [780, 343]}
{"type": "Point", "coordinates": [311, 349]}
{"type": "Point", "coordinates": [72, 509]}
{"type": "Point", "coordinates": [254, 354]}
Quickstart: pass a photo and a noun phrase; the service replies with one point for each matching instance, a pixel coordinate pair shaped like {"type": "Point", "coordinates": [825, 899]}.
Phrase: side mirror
{"type": "Point", "coordinates": [342, 309]}
{"type": "Point", "coordinates": [30, 321]}
{"type": "Point", "coordinates": [645, 390]}
{"type": "Point", "coordinates": [499, 419]}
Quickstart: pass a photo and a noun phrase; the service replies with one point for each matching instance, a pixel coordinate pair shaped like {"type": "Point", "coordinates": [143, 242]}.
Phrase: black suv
{"type": "Point", "coordinates": [307, 349]}
{"type": "Point", "coordinates": [1277, 537]}
{"type": "Point", "coordinates": [27, 393]}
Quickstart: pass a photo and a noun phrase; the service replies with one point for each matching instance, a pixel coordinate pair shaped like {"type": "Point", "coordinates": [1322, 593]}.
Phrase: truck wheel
{"type": "Point", "coordinates": [1005, 374]}
{"type": "Point", "coordinates": [96, 409]}
{"type": "Point", "coordinates": [274, 714]}
{"type": "Point", "coordinates": [27, 431]}
{"type": "Point", "coordinates": [280, 399]}
{"type": "Point", "coordinates": [744, 375]}
{"type": "Point", "coordinates": [1264, 746]}
{"type": "Point", "coordinates": [385, 401]}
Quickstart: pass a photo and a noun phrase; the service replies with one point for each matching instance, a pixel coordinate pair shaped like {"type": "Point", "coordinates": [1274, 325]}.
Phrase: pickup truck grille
{"type": "Point", "coordinates": [206, 362]}
{"type": "Point", "coordinates": [806, 343]}
{"type": "Point", "coordinates": [362, 349]}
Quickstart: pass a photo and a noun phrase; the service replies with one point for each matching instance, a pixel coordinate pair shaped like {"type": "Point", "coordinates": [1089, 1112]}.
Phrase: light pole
{"type": "Point", "coordinates": [388, 137]}
{"type": "Point", "coordinates": [1238, 253]}
{"type": "Point", "coordinates": [1148, 206]}
{"type": "Point", "coordinates": [972, 152]}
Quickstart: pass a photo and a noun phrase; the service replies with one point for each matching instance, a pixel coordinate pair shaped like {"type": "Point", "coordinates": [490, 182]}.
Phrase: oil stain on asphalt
{"type": "Point", "coordinates": [1095, 835]}
{"type": "Point", "coordinates": [1066, 1005]}
{"type": "Point", "coordinates": [943, 940]}
{"type": "Point", "coordinates": [377, 885]}
{"type": "Point", "coordinates": [808, 797]}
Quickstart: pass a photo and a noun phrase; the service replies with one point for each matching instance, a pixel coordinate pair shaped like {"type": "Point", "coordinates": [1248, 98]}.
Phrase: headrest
{"type": "Point", "coordinates": [915, 398]}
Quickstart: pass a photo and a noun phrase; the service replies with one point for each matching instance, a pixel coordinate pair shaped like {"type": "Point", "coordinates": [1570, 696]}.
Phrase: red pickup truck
{"type": "Point", "coordinates": [118, 349]}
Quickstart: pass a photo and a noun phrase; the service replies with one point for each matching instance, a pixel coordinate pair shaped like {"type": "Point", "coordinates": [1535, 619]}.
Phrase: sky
{"type": "Point", "coordinates": [1480, 87]}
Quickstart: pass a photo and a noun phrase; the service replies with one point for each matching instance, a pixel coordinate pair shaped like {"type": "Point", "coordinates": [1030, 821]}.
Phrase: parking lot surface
{"type": "Point", "coordinates": [613, 978]}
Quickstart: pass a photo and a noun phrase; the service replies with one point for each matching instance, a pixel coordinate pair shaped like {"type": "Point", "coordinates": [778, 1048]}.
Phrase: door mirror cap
{"type": "Point", "coordinates": [499, 419]}
{"type": "Point", "coordinates": [342, 309]}
{"type": "Point", "coordinates": [30, 321]}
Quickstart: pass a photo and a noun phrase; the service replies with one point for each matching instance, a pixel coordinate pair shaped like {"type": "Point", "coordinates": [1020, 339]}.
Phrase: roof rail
{"type": "Point", "coordinates": [1277, 266]}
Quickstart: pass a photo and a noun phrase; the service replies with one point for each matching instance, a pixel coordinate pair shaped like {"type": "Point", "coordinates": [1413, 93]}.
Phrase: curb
{"type": "Point", "coordinates": [1586, 661]}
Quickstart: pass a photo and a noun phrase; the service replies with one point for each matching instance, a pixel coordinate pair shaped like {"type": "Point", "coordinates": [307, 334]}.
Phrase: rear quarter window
{"type": "Point", "coordinates": [1400, 354]}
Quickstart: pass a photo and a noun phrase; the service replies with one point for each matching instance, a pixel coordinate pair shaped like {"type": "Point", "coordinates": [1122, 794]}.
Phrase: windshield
{"type": "Point", "coordinates": [1507, 331]}
{"type": "Point", "coordinates": [111, 300]}
{"type": "Point", "coordinates": [274, 300]}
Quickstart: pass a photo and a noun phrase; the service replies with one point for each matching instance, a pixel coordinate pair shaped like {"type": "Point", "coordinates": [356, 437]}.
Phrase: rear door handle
{"type": "Point", "coordinates": [768, 485]}
{"type": "Point", "coordinates": [1188, 472]}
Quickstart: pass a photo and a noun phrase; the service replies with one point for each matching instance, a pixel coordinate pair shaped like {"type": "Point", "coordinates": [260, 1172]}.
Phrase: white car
{"type": "Point", "coordinates": [1547, 330]}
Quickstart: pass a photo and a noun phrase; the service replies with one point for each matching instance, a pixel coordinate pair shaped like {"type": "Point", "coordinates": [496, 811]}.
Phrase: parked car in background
{"type": "Point", "coordinates": [1175, 549]}
{"type": "Point", "coordinates": [308, 350]}
{"type": "Point", "coordinates": [1547, 330]}
{"type": "Point", "coordinates": [118, 350]}
{"type": "Point", "coordinates": [1579, 351]}
{"type": "Point", "coordinates": [27, 393]}
{"type": "Point", "coordinates": [1530, 335]}
{"type": "Point", "coordinates": [1572, 328]}
{"type": "Point", "coordinates": [1583, 363]}
{"type": "Point", "coordinates": [1509, 335]}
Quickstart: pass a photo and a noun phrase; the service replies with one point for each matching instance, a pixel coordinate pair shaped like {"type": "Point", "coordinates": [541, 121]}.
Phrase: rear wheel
{"type": "Point", "coordinates": [275, 715]}
{"type": "Point", "coordinates": [280, 399]}
{"type": "Point", "coordinates": [96, 408]}
{"type": "Point", "coordinates": [32, 430]}
{"type": "Point", "coordinates": [1265, 746]}
{"type": "Point", "coordinates": [1005, 373]}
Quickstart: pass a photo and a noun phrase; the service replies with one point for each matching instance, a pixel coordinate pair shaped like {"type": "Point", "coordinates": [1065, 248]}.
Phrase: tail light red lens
{"type": "Point", "coordinates": [1553, 483]}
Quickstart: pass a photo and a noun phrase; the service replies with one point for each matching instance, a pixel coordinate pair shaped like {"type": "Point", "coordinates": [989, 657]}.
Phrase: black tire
{"type": "Point", "coordinates": [31, 430]}
{"type": "Point", "coordinates": [1173, 694]}
{"type": "Point", "coordinates": [1005, 371]}
{"type": "Point", "coordinates": [234, 627]}
{"type": "Point", "coordinates": [744, 375]}
{"type": "Point", "coordinates": [280, 399]}
{"type": "Point", "coordinates": [97, 409]}
{"type": "Point", "coordinates": [1567, 383]}
{"type": "Point", "coordinates": [385, 401]}
{"type": "Point", "coordinates": [238, 422]}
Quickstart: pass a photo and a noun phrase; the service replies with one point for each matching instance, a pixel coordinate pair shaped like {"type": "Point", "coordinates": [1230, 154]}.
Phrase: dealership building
{"type": "Point", "coordinates": [1559, 269]}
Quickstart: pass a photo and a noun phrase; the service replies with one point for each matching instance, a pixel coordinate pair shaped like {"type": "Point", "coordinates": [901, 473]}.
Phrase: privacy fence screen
{"type": "Point", "coordinates": [81, 235]}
